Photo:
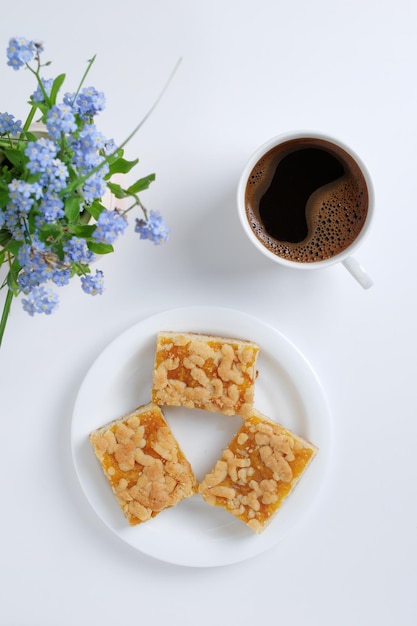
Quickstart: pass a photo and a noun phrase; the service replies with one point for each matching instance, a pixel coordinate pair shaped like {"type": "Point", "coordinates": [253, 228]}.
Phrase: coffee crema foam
{"type": "Point", "coordinates": [335, 212]}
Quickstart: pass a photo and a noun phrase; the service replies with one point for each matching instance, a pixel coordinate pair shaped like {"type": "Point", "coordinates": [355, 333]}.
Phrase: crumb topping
{"type": "Point", "coordinates": [257, 471]}
{"type": "Point", "coordinates": [144, 464]}
{"type": "Point", "coordinates": [201, 371]}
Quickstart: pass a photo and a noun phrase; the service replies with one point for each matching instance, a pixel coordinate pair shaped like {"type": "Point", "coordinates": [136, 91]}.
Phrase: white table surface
{"type": "Point", "coordinates": [249, 70]}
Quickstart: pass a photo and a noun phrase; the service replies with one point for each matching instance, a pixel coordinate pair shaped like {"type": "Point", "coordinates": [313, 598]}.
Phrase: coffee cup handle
{"type": "Point", "coordinates": [358, 272]}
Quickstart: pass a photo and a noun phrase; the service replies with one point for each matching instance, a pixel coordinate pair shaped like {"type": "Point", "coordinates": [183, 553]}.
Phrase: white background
{"type": "Point", "coordinates": [249, 70]}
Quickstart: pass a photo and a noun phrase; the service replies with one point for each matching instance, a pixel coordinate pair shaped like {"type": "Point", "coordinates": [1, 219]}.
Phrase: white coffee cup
{"type": "Point", "coordinates": [346, 256]}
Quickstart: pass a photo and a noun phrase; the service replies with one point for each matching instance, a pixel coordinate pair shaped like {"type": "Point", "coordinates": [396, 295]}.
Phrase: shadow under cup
{"type": "Point", "coordinates": [306, 201]}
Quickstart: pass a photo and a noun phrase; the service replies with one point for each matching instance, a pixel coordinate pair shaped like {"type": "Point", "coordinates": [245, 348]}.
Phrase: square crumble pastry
{"type": "Point", "coordinates": [257, 471]}
{"type": "Point", "coordinates": [205, 372]}
{"type": "Point", "coordinates": [143, 463]}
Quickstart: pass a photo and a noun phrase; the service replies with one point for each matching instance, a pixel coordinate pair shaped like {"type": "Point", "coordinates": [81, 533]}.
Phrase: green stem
{"type": "Point", "coordinates": [80, 181]}
{"type": "Point", "coordinates": [90, 63]}
{"type": "Point", "coordinates": [139, 204]}
{"type": "Point", "coordinates": [154, 105]}
{"type": "Point", "coordinates": [5, 315]}
{"type": "Point", "coordinates": [40, 83]}
{"type": "Point", "coordinates": [30, 117]}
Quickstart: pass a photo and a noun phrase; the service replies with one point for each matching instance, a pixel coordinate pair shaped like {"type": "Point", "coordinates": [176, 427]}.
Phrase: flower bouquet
{"type": "Point", "coordinates": [53, 221]}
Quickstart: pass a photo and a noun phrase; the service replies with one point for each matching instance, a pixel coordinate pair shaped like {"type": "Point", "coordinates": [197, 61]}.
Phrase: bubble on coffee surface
{"type": "Point", "coordinates": [335, 215]}
{"type": "Point", "coordinates": [258, 174]}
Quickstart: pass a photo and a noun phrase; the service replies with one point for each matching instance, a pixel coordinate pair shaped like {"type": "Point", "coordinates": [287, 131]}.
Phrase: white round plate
{"type": "Point", "coordinates": [194, 533]}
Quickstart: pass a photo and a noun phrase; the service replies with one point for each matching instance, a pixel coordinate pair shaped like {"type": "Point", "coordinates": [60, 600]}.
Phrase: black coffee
{"type": "Point", "coordinates": [306, 200]}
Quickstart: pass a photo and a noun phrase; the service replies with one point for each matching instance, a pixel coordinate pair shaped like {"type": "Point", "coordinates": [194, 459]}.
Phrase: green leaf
{"type": "Point", "coordinates": [13, 246]}
{"type": "Point", "coordinates": [80, 269]}
{"type": "Point", "coordinates": [16, 157]}
{"type": "Point", "coordinates": [33, 178]}
{"type": "Point", "coordinates": [141, 184]}
{"type": "Point", "coordinates": [117, 190]}
{"type": "Point", "coordinates": [121, 166]}
{"type": "Point", "coordinates": [56, 86]}
{"type": "Point", "coordinates": [51, 231]}
{"type": "Point", "coordinates": [4, 198]}
{"type": "Point", "coordinates": [12, 277]}
{"type": "Point", "coordinates": [30, 136]}
{"type": "Point", "coordinates": [4, 237]}
{"type": "Point", "coordinates": [84, 231]}
{"type": "Point", "coordinates": [72, 208]}
{"type": "Point", "coordinates": [95, 208]}
{"type": "Point", "coordinates": [100, 248]}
